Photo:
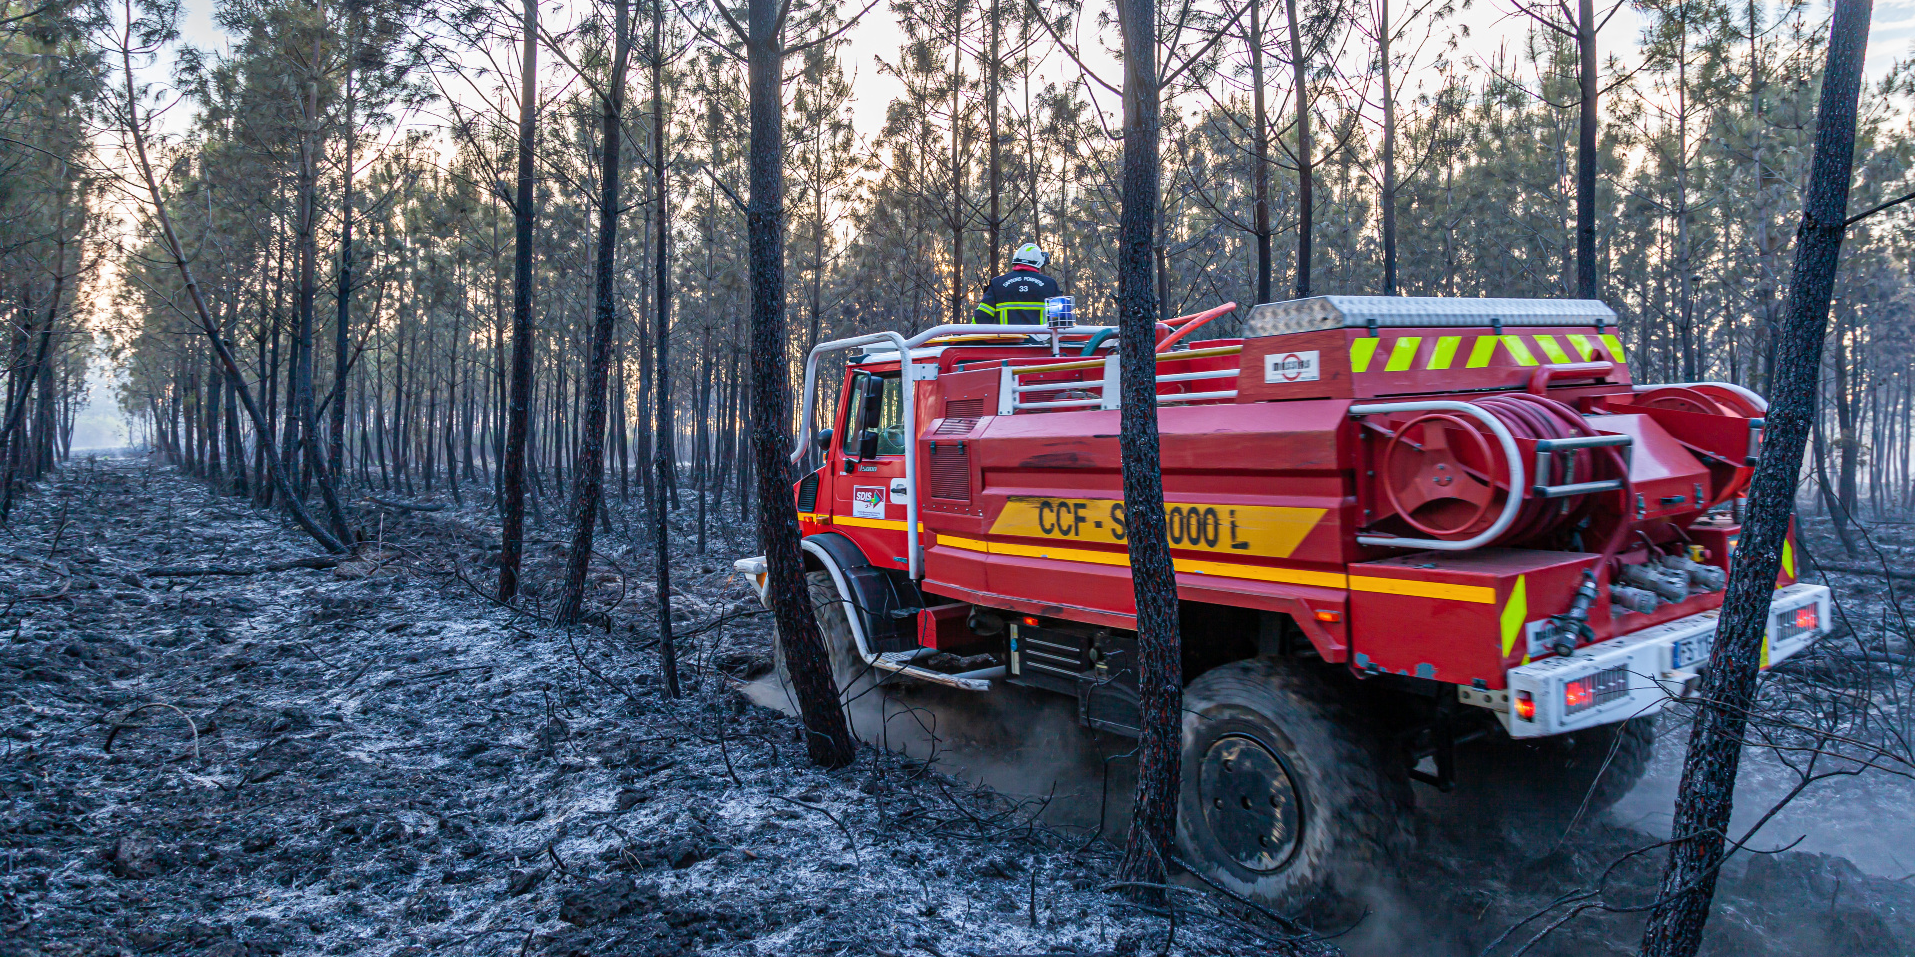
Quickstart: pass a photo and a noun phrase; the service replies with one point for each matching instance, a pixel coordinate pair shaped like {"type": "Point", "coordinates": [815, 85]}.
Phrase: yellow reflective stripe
{"type": "Point", "coordinates": [1285, 576]}
{"type": "Point", "coordinates": [1361, 351]}
{"type": "Point", "coordinates": [1615, 347]}
{"type": "Point", "coordinates": [1482, 351]}
{"type": "Point", "coordinates": [966, 544]}
{"type": "Point", "coordinates": [1288, 576]}
{"type": "Point", "coordinates": [1519, 350]}
{"type": "Point", "coordinates": [1552, 350]}
{"type": "Point", "coordinates": [896, 525]}
{"type": "Point", "coordinates": [1788, 557]}
{"type": "Point", "coordinates": [1514, 614]}
{"type": "Point", "coordinates": [1582, 346]}
{"type": "Point", "coordinates": [1416, 588]}
{"type": "Point", "coordinates": [1445, 351]}
{"type": "Point", "coordinates": [1403, 353]}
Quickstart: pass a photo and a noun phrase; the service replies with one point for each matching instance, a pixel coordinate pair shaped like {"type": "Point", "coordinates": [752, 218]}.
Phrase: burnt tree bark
{"type": "Point", "coordinates": [1586, 151]}
{"type": "Point", "coordinates": [519, 403]}
{"type": "Point", "coordinates": [307, 239]}
{"type": "Point", "coordinates": [1153, 823]}
{"type": "Point", "coordinates": [1706, 796]}
{"type": "Point", "coordinates": [827, 739]}
{"type": "Point", "coordinates": [1388, 198]}
{"type": "Point", "coordinates": [588, 468]}
{"type": "Point", "coordinates": [1306, 173]}
{"type": "Point", "coordinates": [336, 440]}
{"type": "Point", "coordinates": [1260, 138]}
{"type": "Point", "coordinates": [662, 302]}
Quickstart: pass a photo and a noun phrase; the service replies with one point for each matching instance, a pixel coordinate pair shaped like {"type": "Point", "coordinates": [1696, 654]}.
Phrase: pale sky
{"type": "Point", "coordinates": [1490, 21]}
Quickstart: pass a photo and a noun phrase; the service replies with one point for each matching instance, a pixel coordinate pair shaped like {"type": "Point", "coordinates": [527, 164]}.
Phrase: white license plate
{"type": "Point", "coordinates": [1692, 651]}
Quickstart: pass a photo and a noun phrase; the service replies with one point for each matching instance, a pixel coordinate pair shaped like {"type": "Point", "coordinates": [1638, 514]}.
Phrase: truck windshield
{"type": "Point", "coordinates": [890, 423]}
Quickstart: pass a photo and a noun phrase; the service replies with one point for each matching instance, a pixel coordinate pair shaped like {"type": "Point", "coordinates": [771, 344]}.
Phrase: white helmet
{"type": "Point", "coordinates": [1029, 255]}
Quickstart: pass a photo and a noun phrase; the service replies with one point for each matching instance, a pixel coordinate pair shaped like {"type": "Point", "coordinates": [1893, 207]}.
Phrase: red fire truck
{"type": "Point", "coordinates": [1400, 526]}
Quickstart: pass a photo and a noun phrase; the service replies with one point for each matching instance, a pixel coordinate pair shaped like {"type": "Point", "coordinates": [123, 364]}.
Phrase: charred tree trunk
{"type": "Point", "coordinates": [588, 469]}
{"type": "Point", "coordinates": [1586, 152]}
{"type": "Point", "coordinates": [1389, 149]}
{"type": "Point", "coordinates": [1260, 136]}
{"type": "Point", "coordinates": [336, 440]}
{"type": "Point", "coordinates": [1153, 823]}
{"type": "Point", "coordinates": [995, 175]}
{"type": "Point", "coordinates": [828, 740]}
{"type": "Point", "coordinates": [1306, 201]}
{"type": "Point", "coordinates": [1706, 795]}
{"type": "Point", "coordinates": [662, 302]}
{"type": "Point", "coordinates": [519, 403]}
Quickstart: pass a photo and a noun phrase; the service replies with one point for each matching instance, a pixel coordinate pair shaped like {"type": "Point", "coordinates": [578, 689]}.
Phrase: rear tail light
{"type": "Point", "coordinates": [1597, 689]}
{"type": "Point", "coordinates": [1795, 622]}
{"type": "Point", "coordinates": [1577, 695]}
{"type": "Point", "coordinates": [1525, 706]}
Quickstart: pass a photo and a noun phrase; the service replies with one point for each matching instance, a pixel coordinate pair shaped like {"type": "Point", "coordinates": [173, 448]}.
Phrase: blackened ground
{"type": "Point", "coordinates": [375, 759]}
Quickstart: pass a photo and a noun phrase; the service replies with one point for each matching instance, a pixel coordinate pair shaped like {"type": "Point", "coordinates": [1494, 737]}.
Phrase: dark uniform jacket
{"type": "Point", "coordinates": [1016, 299]}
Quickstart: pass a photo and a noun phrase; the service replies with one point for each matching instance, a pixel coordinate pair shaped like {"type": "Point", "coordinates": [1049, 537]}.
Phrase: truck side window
{"type": "Point", "coordinates": [891, 421]}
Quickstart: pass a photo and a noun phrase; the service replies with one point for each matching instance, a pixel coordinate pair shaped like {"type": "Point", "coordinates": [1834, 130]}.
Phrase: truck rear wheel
{"type": "Point", "coordinates": [1551, 777]}
{"type": "Point", "coordinates": [1287, 792]}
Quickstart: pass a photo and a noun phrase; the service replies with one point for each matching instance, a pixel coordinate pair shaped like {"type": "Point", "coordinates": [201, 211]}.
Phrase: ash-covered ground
{"type": "Point", "coordinates": [376, 759]}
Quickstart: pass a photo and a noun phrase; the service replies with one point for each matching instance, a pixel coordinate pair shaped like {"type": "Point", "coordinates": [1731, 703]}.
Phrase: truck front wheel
{"type": "Point", "coordinates": [1287, 792]}
{"type": "Point", "coordinates": [834, 626]}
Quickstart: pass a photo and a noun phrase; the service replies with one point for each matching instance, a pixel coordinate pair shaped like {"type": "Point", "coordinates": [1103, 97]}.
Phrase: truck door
{"type": "Point", "coordinates": [869, 494]}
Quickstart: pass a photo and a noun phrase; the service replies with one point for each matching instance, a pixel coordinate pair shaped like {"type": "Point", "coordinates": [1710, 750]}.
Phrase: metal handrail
{"type": "Point", "coordinates": [1511, 505]}
{"type": "Point", "coordinates": [910, 426]}
{"type": "Point", "coordinates": [1546, 448]}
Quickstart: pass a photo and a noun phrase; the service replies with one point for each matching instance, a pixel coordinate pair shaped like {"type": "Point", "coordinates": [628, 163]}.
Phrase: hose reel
{"type": "Point", "coordinates": [1456, 473]}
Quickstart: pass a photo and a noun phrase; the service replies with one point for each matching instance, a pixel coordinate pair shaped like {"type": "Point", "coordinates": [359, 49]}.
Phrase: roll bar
{"type": "Point", "coordinates": [1748, 395]}
{"type": "Point", "coordinates": [913, 373]}
{"type": "Point", "coordinates": [1517, 486]}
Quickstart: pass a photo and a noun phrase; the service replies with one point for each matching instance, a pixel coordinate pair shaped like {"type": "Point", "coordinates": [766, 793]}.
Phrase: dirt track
{"type": "Point", "coordinates": [375, 760]}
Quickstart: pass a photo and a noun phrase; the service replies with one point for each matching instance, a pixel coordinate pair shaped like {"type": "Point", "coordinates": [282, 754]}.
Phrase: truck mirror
{"type": "Point", "coordinates": [822, 440]}
{"type": "Point", "coordinates": [873, 410]}
{"type": "Point", "coordinates": [868, 444]}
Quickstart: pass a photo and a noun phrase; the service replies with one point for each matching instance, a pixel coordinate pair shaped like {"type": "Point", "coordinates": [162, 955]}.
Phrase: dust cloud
{"type": "Point", "coordinates": [1024, 743]}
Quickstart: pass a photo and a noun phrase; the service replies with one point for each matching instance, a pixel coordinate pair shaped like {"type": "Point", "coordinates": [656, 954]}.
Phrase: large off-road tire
{"type": "Point", "coordinates": [834, 626]}
{"type": "Point", "coordinates": [1287, 791]}
{"type": "Point", "coordinates": [1551, 777]}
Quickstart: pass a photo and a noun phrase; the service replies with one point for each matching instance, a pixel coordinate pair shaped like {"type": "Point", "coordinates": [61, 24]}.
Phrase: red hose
{"type": "Point", "coordinates": [1538, 417]}
{"type": "Point", "coordinates": [1196, 321]}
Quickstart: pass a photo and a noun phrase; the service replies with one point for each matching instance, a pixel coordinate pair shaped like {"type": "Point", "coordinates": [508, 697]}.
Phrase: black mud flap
{"type": "Point", "coordinates": [1109, 702]}
{"type": "Point", "coordinates": [887, 603]}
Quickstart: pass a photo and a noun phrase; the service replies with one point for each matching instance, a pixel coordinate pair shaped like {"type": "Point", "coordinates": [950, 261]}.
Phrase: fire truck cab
{"type": "Point", "coordinates": [1399, 525]}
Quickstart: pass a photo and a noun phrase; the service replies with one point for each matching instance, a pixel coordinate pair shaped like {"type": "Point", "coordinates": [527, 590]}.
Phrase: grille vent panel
{"type": "Point", "coordinates": [956, 426]}
{"type": "Point", "coordinates": [951, 471]}
{"type": "Point", "coordinates": [963, 408]}
{"type": "Point", "coordinates": [808, 493]}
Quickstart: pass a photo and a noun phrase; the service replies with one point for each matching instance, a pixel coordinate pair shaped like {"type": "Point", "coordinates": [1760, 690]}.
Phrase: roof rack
{"type": "Point", "coordinates": [1388, 312]}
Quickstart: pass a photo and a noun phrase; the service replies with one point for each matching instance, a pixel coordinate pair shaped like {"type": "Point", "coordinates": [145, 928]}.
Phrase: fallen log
{"type": "Point", "coordinates": [197, 571]}
{"type": "Point", "coordinates": [408, 506]}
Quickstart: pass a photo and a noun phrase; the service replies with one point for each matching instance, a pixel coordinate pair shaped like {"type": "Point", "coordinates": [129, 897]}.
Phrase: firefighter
{"type": "Point", "coordinates": [1017, 297]}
